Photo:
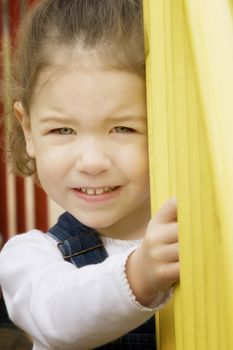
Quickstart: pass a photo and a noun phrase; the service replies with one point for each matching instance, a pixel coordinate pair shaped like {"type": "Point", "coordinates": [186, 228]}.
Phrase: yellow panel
{"type": "Point", "coordinates": [190, 116]}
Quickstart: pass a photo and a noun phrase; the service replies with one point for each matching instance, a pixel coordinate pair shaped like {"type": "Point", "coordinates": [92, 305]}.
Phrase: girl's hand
{"type": "Point", "coordinates": [154, 266]}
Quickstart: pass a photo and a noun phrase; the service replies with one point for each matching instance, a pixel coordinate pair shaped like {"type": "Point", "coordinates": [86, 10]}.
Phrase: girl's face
{"type": "Point", "coordinates": [88, 133]}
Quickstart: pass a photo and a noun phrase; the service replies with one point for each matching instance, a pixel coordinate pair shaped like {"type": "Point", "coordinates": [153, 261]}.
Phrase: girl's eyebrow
{"type": "Point", "coordinates": [69, 120]}
{"type": "Point", "coordinates": [57, 119]}
{"type": "Point", "coordinates": [126, 118]}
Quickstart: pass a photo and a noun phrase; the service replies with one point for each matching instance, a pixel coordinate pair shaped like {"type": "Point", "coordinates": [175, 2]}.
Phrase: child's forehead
{"type": "Point", "coordinates": [87, 88]}
{"type": "Point", "coordinates": [87, 65]}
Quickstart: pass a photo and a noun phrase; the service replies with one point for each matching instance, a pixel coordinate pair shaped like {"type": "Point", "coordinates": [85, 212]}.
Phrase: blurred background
{"type": "Point", "coordinates": [23, 206]}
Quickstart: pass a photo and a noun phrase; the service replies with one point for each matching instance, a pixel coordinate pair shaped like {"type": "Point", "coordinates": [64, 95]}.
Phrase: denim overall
{"type": "Point", "coordinates": [82, 246]}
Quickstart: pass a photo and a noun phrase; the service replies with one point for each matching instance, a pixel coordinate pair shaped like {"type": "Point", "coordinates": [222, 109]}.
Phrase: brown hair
{"type": "Point", "coordinates": [112, 28]}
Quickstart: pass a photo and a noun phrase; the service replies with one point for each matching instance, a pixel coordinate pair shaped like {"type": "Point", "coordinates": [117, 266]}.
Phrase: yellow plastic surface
{"type": "Point", "coordinates": [190, 116]}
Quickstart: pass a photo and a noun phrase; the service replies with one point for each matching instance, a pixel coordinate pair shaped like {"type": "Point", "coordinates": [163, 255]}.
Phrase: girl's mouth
{"type": "Point", "coordinates": [97, 191]}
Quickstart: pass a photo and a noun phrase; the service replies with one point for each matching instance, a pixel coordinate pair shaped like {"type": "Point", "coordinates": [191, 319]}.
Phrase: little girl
{"type": "Point", "coordinates": [79, 126]}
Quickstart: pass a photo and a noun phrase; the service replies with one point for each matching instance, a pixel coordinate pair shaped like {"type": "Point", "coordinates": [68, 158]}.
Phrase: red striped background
{"type": "Point", "coordinates": [23, 206]}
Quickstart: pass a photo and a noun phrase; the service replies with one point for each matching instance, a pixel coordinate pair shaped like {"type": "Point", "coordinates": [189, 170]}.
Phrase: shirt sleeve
{"type": "Point", "coordinates": [61, 306]}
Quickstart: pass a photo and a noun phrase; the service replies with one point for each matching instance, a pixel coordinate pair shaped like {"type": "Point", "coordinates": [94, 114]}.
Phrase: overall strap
{"type": "Point", "coordinates": [79, 244]}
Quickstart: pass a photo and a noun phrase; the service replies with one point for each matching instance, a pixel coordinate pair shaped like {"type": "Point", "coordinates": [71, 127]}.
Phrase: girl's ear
{"type": "Point", "coordinates": [25, 122]}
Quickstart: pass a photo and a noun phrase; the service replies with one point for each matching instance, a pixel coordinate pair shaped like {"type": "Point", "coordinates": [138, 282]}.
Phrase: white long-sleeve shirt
{"type": "Point", "coordinates": [64, 307]}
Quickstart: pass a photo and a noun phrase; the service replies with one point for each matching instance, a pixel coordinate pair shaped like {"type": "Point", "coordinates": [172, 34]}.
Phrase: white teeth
{"type": "Point", "coordinates": [99, 191]}
{"type": "Point", "coordinates": [90, 191]}
{"type": "Point", "coordinates": [96, 191]}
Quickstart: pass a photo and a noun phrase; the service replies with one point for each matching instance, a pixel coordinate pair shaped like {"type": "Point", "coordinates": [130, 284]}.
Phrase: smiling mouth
{"type": "Point", "coordinates": [97, 191]}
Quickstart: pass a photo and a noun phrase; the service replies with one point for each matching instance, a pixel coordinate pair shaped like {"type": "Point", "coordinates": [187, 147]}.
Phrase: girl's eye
{"type": "Point", "coordinates": [63, 131]}
{"type": "Point", "coordinates": [122, 129]}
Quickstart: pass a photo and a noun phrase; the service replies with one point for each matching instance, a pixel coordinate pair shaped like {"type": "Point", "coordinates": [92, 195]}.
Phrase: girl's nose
{"type": "Point", "coordinates": [93, 160]}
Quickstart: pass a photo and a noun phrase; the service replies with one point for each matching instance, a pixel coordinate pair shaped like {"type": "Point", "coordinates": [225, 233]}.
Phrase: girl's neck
{"type": "Point", "coordinates": [129, 228]}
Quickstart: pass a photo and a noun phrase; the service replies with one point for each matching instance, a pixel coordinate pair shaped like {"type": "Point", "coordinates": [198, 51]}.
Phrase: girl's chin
{"type": "Point", "coordinates": [96, 223]}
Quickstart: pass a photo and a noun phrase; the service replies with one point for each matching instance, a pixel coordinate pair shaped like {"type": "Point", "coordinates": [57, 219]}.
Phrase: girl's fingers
{"type": "Point", "coordinates": [169, 233]}
{"type": "Point", "coordinates": [162, 234]}
{"type": "Point", "coordinates": [168, 212]}
{"type": "Point", "coordinates": [167, 253]}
